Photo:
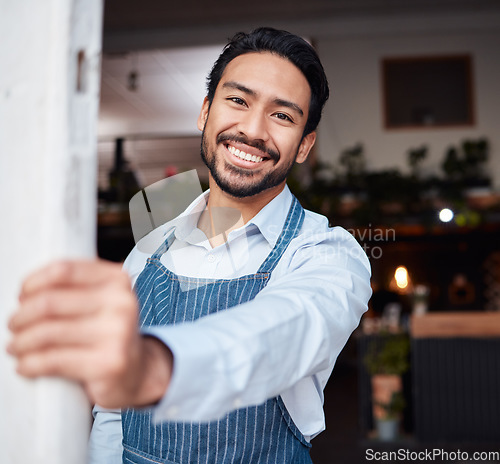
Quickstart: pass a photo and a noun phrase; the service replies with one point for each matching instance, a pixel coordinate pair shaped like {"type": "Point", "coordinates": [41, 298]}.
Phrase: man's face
{"type": "Point", "coordinates": [252, 132]}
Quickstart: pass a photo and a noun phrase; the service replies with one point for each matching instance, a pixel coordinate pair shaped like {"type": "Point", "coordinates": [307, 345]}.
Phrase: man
{"type": "Point", "coordinates": [241, 324]}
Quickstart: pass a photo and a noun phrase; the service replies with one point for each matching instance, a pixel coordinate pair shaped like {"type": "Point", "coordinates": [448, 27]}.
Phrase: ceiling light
{"type": "Point", "coordinates": [446, 215]}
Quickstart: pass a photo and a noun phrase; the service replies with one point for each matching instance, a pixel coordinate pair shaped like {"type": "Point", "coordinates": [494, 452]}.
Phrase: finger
{"type": "Point", "coordinates": [105, 383]}
{"type": "Point", "coordinates": [54, 304]}
{"type": "Point", "coordinates": [71, 273]}
{"type": "Point", "coordinates": [72, 363]}
{"type": "Point", "coordinates": [54, 334]}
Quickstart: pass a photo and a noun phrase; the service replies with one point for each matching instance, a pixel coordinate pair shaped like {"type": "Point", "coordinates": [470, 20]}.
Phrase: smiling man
{"type": "Point", "coordinates": [257, 125]}
{"type": "Point", "coordinates": [241, 322]}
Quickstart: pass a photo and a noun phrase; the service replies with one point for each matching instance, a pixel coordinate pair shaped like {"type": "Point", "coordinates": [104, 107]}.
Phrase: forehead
{"type": "Point", "coordinates": [269, 75]}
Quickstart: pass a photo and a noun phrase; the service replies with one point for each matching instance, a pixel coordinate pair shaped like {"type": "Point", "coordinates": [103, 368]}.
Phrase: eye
{"type": "Point", "coordinates": [283, 117]}
{"type": "Point", "coordinates": [237, 100]}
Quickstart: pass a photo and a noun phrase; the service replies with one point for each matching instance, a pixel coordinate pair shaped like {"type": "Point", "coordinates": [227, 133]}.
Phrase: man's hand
{"type": "Point", "coordinates": [78, 320]}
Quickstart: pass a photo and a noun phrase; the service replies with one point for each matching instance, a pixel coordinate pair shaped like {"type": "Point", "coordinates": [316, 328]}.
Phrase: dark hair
{"type": "Point", "coordinates": [284, 44]}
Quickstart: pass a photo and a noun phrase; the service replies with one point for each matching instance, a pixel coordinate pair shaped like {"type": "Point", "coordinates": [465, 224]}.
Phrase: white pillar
{"type": "Point", "coordinates": [49, 92]}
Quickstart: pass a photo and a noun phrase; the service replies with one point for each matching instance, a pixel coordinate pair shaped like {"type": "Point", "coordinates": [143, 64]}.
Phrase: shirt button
{"type": "Point", "coordinates": [172, 412]}
{"type": "Point", "coordinates": [237, 403]}
{"type": "Point", "coordinates": [211, 258]}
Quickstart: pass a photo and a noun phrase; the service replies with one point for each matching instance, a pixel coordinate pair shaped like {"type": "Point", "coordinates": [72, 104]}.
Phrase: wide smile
{"type": "Point", "coordinates": [245, 157]}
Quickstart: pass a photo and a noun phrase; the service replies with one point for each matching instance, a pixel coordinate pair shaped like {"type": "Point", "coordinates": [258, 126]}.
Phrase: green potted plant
{"type": "Point", "coordinates": [465, 168]}
{"type": "Point", "coordinates": [386, 360]}
{"type": "Point", "coordinates": [353, 162]}
{"type": "Point", "coordinates": [387, 354]}
{"type": "Point", "coordinates": [387, 426]}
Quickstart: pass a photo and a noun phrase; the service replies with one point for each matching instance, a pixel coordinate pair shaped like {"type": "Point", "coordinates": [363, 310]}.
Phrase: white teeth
{"type": "Point", "coordinates": [244, 156]}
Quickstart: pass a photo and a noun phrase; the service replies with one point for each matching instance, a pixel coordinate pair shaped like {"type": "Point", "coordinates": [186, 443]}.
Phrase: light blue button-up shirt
{"type": "Point", "coordinates": [284, 342]}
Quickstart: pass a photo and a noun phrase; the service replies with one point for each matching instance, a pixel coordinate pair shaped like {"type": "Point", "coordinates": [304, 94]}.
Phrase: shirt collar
{"type": "Point", "coordinates": [269, 220]}
{"type": "Point", "coordinates": [186, 224]}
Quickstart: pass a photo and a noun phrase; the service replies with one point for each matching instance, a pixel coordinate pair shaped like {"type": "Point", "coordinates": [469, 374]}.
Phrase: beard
{"type": "Point", "coordinates": [239, 182]}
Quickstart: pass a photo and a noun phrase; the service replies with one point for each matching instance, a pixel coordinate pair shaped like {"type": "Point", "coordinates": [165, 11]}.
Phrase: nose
{"type": "Point", "coordinates": [254, 124]}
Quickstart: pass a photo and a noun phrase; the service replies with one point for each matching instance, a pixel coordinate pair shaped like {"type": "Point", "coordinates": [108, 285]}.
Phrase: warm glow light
{"type": "Point", "coordinates": [401, 277]}
{"type": "Point", "coordinates": [446, 215]}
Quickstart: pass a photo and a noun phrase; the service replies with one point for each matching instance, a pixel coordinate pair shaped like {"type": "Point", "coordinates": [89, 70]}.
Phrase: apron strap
{"type": "Point", "coordinates": [165, 245]}
{"type": "Point", "coordinates": [293, 224]}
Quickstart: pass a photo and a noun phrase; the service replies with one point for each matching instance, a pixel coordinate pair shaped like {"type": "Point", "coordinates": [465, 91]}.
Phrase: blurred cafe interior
{"type": "Point", "coordinates": [407, 160]}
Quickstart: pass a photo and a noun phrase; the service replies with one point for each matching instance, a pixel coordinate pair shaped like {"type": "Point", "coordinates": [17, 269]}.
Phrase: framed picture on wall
{"type": "Point", "coordinates": [428, 91]}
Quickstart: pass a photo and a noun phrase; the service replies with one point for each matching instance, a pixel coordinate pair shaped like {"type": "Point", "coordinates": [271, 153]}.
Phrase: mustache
{"type": "Point", "coordinates": [258, 144]}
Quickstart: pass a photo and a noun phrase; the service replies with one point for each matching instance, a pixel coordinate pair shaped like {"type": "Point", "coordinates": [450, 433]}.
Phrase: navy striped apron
{"type": "Point", "coordinates": [253, 435]}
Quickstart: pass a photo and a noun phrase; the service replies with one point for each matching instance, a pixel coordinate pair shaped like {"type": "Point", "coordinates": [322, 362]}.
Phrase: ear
{"type": "Point", "coordinates": [305, 147]}
{"type": "Point", "coordinates": [202, 118]}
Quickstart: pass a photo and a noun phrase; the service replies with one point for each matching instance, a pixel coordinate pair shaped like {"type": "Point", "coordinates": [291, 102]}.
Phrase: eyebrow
{"type": "Point", "coordinates": [253, 93]}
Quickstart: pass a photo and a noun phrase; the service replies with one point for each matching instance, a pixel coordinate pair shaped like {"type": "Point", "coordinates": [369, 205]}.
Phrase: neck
{"type": "Point", "coordinates": [247, 206]}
